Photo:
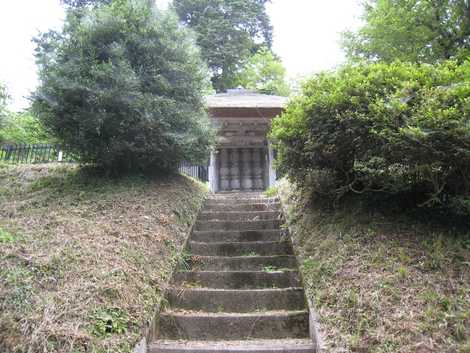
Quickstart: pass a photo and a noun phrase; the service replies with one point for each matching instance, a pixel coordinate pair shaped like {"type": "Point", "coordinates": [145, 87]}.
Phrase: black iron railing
{"type": "Point", "coordinates": [40, 153]}
{"type": "Point", "coordinates": [44, 153]}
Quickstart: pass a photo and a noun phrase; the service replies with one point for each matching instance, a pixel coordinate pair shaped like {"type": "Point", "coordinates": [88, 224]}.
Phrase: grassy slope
{"type": "Point", "coordinates": [83, 259]}
{"type": "Point", "coordinates": [383, 284]}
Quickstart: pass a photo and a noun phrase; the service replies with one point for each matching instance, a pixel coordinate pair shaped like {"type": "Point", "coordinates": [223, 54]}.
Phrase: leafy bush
{"type": "Point", "coordinates": [381, 129]}
{"type": "Point", "coordinates": [122, 85]}
{"type": "Point", "coordinates": [23, 128]}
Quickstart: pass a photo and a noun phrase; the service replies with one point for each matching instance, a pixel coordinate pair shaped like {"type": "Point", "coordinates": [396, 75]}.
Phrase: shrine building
{"type": "Point", "coordinates": [243, 158]}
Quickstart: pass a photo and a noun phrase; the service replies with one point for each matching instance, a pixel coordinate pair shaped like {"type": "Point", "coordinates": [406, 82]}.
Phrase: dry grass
{"type": "Point", "coordinates": [83, 260]}
{"type": "Point", "coordinates": [383, 284]}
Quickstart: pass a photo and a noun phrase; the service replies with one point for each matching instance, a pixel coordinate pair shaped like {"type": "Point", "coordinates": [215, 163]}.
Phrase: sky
{"type": "Point", "coordinates": [306, 37]}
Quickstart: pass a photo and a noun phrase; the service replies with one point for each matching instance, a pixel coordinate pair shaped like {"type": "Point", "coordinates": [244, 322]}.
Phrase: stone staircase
{"type": "Point", "coordinates": [241, 291]}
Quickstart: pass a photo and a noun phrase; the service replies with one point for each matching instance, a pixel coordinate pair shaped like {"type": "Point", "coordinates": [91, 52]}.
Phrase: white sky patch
{"type": "Point", "coordinates": [306, 37]}
{"type": "Point", "coordinates": [162, 4]}
{"type": "Point", "coordinates": [20, 21]}
{"type": "Point", "coordinates": [307, 33]}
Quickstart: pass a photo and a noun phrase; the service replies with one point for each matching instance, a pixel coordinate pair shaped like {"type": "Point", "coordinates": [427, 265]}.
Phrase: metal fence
{"type": "Point", "coordinates": [196, 171]}
{"type": "Point", "coordinates": [25, 153]}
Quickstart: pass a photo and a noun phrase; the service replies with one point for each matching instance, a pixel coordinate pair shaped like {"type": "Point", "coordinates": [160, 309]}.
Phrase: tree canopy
{"type": "Point", "coordinates": [265, 73]}
{"type": "Point", "coordinates": [228, 32]}
{"type": "Point", "coordinates": [425, 31]}
{"type": "Point", "coordinates": [23, 127]}
{"type": "Point", "coordinates": [122, 85]}
{"type": "Point", "coordinates": [83, 3]}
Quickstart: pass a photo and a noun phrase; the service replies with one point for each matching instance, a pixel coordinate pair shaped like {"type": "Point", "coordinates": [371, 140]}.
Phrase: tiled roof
{"type": "Point", "coordinates": [241, 98]}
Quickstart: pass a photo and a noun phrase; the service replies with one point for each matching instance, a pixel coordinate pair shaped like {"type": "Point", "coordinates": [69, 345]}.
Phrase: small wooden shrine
{"type": "Point", "coordinates": [243, 158]}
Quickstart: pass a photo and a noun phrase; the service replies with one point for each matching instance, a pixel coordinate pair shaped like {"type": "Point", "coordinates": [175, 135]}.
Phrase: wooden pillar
{"type": "Point", "coordinates": [224, 170]}
{"type": "Point", "coordinates": [213, 177]}
{"type": "Point", "coordinates": [247, 182]}
{"type": "Point", "coordinates": [271, 171]}
{"type": "Point", "coordinates": [258, 158]}
{"type": "Point", "coordinates": [235, 169]}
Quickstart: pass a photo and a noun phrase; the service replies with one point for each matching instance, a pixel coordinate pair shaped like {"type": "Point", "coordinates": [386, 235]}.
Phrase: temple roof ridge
{"type": "Point", "coordinates": [243, 98]}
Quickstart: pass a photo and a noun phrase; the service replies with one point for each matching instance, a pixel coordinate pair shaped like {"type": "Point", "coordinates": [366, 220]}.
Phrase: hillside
{"type": "Point", "coordinates": [382, 283]}
{"type": "Point", "coordinates": [83, 259]}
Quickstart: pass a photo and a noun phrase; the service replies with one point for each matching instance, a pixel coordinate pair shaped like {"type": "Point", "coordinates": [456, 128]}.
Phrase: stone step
{"type": "Point", "coordinates": [243, 207]}
{"type": "Point", "coordinates": [243, 263]}
{"type": "Point", "coordinates": [236, 301]}
{"type": "Point", "coordinates": [238, 225]}
{"type": "Point", "coordinates": [243, 293]}
{"type": "Point", "coordinates": [233, 326]}
{"type": "Point", "coordinates": [237, 279]}
{"type": "Point", "coordinates": [247, 346]}
{"type": "Point", "coordinates": [239, 195]}
{"type": "Point", "coordinates": [221, 199]}
{"type": "Point", "coordinates": [238, 215]}
{"type": "Point", "coordinates": [252, 248]}
{"type": "Point", "coordinates": [221, 204]}
{"type": "Point", "coordinates": [237, 236]}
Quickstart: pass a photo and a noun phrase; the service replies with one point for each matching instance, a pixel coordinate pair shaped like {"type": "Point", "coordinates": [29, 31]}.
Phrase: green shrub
{"type": "Point", "coordinates": [381, 129]}
{"type": "Point", "coordinates": [122, 85]}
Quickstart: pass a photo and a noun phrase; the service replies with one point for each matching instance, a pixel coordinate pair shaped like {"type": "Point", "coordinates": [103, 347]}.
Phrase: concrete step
{"type": "Point", "coordinates": [243, 207]}
{"type": "Point", "coordinates": [222, 203]}
{"type": "Point", "coordinates": [221, 199]}
{"type": "Point", "coordinates": [237, 279]}
{"type": "Point", "coordinates": [238, 215]}
{"type": "Point", "coordinates": [251, 193]}
{"type": "Point", "coordinates": [242, 263]}
{"type": "Point", "coordinates": [238, 225]}
{"type": "Point", "coordinates": [243, 293]}
{"type": "Point", "coordinates": [234, 326]}
{"type": "Point", "coordinates": [239, 196]}
{"type": "Point", "coordinates": [252, 248]}
{"type": "Point", "coordinates": [237, 236]}
{"type": "Point", "coordinates": [247, 346]}
{"type": "Point", "coordinates": [236, 301]}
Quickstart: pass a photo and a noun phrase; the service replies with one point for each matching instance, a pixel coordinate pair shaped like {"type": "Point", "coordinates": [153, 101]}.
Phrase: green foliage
{"type": "Point", "coordinates": [3, 104]}
{"type": "Point", "coordinates": [272, 191]}
{"type": "Point", "coordinates": [228, 32]}
{"type": "Point", "coordinates": [269, 269]}
{"type": "Point", "coordinates": [109, 321]}
{"type": "Point", "coordinates": [83, 3]}
{"type": "Point", "coordinates": [23, 128]}
{"type": "Point", "coordinates": [381, 129]}
{"type": "Point", "coordinates": [122, 85]}
{"type": "Point", "coordinates": [264, 73]}
{"type": "Point", "coordinates": [6, 237]}
{"type": "Point", "coordinates": [412, 30]}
